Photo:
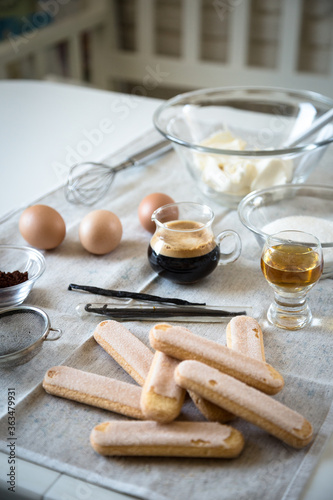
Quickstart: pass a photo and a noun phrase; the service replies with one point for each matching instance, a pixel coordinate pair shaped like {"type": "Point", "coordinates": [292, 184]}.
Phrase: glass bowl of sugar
{"type": "Point", "coordinates": [300, 207]}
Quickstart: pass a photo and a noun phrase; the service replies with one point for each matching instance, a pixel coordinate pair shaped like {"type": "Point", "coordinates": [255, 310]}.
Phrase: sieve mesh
{"type": "Point", "coordinates": [20, 329]}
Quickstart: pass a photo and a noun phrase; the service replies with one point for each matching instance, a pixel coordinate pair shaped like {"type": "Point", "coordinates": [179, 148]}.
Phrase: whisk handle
{"type": "Point", "coordinates": [146, 155]}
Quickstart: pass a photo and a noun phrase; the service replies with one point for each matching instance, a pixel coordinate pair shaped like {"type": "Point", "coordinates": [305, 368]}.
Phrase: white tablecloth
{"type": "Point", "coordinates": [55, 432]}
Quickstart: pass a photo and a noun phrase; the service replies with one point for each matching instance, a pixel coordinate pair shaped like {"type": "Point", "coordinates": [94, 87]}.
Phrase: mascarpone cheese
{"type": "Point", "coordinates": [237, 175]}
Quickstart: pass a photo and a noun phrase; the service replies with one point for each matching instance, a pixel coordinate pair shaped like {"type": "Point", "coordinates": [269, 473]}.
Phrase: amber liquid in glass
{"type": "Point", "coordinates": [291, 266]}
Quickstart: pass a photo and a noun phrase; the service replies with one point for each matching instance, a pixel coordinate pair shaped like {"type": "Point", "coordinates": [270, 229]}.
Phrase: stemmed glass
{"type": "Point", "coordinates": [292, 263]}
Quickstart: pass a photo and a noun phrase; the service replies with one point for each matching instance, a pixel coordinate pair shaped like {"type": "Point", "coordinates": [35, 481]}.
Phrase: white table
{"type": "Point", "coordinates": [44, 127]}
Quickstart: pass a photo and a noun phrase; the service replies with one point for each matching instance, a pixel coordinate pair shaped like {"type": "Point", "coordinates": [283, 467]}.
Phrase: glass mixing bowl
{"type": "Point", "coordinates": [237, 140]}
{"type": "Point", "coordinates": [303, 207]}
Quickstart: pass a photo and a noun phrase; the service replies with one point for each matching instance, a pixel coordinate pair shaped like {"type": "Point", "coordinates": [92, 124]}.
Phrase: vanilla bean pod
{"type": "Point", "coordinates": [120, 294]}
{"type": "Point", "coordinates": [160, 312]}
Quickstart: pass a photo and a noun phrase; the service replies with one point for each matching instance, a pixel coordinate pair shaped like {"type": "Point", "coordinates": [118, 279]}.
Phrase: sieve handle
{"type": "Point", "coordinates": [56, 336]}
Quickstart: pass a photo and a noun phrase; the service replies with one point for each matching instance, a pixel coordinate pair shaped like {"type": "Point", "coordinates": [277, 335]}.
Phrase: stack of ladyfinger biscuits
{"type": "Point", "coordinates": [223, 382]}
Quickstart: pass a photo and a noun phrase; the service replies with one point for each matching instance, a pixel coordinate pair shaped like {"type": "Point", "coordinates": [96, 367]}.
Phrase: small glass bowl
{"type": "Point", "coordinates": [236, 140]}
{"type": "Point", "coordinates": [299, 207]}
{"type": "Point", "coordinates": [19, 258]}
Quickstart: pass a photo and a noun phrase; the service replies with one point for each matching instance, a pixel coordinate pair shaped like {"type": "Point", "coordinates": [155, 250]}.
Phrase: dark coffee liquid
{"type": "Point", "coordinates": [183, 269]}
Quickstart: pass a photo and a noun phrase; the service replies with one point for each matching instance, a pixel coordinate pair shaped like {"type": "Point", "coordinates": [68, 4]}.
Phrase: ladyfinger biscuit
{"type": "Point", "coordinates": [136, 361]}
{"type": "Point", "coordinates": [94, 390]}
{"type": "Point", "coordinates": [245, 402]}
{"type": "Point", "coordinates": [210, 411]}
{"type": "Point", "coordinates": [178, 439]}
{"type": "Point", "coordinates": [161, 397]}
{"type": "Point", "coordinates": [182, 344]}
{"type": "Point", "coordinates": [129, 352]}
{"type": "Point", "coordinates": [244, 335]}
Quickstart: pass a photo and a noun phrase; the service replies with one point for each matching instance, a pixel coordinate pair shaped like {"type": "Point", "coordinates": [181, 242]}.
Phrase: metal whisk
{"type": "Point", "coordinates": [88, 182]}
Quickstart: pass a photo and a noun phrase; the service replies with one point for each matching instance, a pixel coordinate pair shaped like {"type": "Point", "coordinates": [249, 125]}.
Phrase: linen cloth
{"type": "Point", "coordinates": [54, 432]}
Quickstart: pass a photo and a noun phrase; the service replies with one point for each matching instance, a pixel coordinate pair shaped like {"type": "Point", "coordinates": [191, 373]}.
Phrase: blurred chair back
{"type": "Point", "coordinates": [178, 45]}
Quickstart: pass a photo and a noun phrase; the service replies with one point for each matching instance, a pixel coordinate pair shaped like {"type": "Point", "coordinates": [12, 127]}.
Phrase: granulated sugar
{"type": "Point", "coordinates": [321, 228]}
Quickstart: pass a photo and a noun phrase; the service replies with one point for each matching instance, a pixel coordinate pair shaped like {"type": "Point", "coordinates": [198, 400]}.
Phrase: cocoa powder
{"type": "Point", "coordinates": [11, 279]}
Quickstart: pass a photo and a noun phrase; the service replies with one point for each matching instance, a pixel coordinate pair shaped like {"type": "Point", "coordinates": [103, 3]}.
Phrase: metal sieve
{"type": "Point", "coordinates": [22, 332]}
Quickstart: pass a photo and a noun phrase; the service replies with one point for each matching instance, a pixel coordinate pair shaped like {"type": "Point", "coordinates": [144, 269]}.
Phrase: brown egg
{"type": "Point", "coordinates": [42, 227]}
{"type": "Point", "coordinates": [100, 232]}
{"type": "Point", "coordinates": [148, 205]}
